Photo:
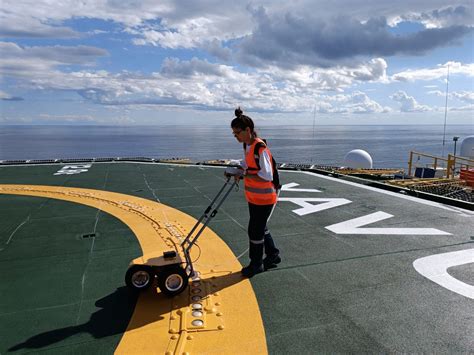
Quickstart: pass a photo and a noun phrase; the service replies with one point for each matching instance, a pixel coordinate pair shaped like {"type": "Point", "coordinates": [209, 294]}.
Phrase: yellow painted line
{"type": "Point", "coordinates": [161, 325]}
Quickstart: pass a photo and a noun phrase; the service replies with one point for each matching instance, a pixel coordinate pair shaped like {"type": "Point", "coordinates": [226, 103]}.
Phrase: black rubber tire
{"type": "Point", "coordinates": [139, 277]}
{"type": "Point", "coordinates": [172, 280]}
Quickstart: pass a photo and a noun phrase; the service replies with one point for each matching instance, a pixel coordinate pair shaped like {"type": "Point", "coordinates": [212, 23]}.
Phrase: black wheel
{"type": "Point", "coordinates": [172, 280]}
{"type": "Point", "coordinates": [139, 277]}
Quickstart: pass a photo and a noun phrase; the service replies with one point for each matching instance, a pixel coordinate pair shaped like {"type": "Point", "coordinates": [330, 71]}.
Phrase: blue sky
{"type": "Point", "coordinates": [193, 62]}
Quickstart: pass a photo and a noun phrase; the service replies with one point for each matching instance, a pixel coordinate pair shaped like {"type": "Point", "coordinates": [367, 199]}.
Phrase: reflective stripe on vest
{"type": "Point", "coordinates": [258, 192]}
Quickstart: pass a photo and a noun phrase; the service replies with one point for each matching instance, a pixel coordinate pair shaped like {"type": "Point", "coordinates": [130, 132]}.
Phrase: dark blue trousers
{"type": "Point", "coordinates": [260, 238]}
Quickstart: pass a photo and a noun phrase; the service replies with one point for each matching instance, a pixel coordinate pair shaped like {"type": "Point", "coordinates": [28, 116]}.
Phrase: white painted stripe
{"type": "Point", "coordinates": [308, 208]}
{"type": "Point", "coordinates": [435, 268]}
{"type": "Point", "coordinates": [291, 185]}
{"type": "Point", "coordinates": [16, 229]}
{"type": "Point", "coordinates": [353, 227]}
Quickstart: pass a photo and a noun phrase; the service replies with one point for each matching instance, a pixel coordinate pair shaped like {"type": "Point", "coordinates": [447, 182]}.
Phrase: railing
{"type": "Point", "coordinates": [451, 163]}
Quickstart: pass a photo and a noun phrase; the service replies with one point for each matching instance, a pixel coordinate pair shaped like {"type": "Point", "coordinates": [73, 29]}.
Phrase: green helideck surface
{"type": "Point", "coordinates": [332, 293]}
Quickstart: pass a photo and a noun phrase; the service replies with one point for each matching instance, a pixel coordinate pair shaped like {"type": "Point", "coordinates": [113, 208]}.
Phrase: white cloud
{"type": "Point", "coordinates": [463, 108]}
{"type": "Point", "coordinates": [38, 61]}
{"type": "Point", "coordinates": [443, 17]}
{"type": "Point", "coordinates": [439, 72]}
{"type": "Point", "coordinates": [436, 92]}
{"type": "Point", "coordinates": [18, 25]}
{"type": "Point", "coordinates": [465, 96]}
{"type": "Point", "coordinates": [201, 84]}
{"type": "Point", "coordinates": [299, 51]}
{"type": "Point", "coordinates": [357, 102]}
{"type": "Point", "coordinates": [196, 24]}
{"type": "Point", "coordinates": [408, 103]}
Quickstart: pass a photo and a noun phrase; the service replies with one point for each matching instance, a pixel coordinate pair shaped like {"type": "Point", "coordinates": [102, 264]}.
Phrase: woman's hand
{"type": "Point", "coordinates": [236, 172]}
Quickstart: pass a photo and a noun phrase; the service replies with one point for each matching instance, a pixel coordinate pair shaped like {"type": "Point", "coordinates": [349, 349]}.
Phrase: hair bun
{"type": "Point", "coordinates": [238, 112]}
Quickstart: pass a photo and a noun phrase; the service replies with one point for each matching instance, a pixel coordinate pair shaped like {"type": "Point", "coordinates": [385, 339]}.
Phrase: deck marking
{"type": "Point", "coordinates": [290, 187]}
{"type": "Point", "coordinates": [352, 226]}
{"type": "Point", "coordinates": [73, 169]}
{"type": "Point", "coordinates": [308, 208]}
{"type": "Point", "coordinates": [16, 229]}
{"type": "Point", "coordinates": [149, 328]}
{"type": "Point", "coordinates": [434, 268]}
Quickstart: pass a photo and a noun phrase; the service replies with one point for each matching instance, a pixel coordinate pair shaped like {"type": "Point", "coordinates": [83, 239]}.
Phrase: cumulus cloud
{"type": "Point", "coordinates": [26, 61]}
{"type": "Point", "coordinates": [192, 24]}
{"type": "Point", "coordinates": [173, 67]}
{"type": "Point", "coordinates": [217, 50]}
{"type": "Point", "coordinates": [444, 17]}
{"type": "Point", "coordinates": [289, 40]}
{"type": "Point", "coordinates": [19, 26]}
{"type": "Point", "coordinates": [463, 108]}
{"type": "Point", "coordinates": [439, 72]}
{"type": "Point", "coordinates": [357, 102]}
{"type": "Point", "coordinates": [58, 54]}
{"type": "Point", "coordinates": [408, 103]}
{"type": "Point", "coordinates": [465, 96]}
{"type": "Point", "coordinates": [204, 85]}
{"type": "Point", "coordinates": [195, 32]}
{"type": "Point", "coordinates": [298, 50]}
{"type": "Point", "coordinates": [166, 23]}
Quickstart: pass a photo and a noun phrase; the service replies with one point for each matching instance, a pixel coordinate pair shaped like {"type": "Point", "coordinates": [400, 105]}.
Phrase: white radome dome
{"type": "Point", "coordinates": [358, 159]}
{"type": "Point", "coordinates": [467, 147]}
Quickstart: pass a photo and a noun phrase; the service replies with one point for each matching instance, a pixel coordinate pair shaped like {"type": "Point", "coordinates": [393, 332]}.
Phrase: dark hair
{"type": "Point", "coordinates": [242, 122]}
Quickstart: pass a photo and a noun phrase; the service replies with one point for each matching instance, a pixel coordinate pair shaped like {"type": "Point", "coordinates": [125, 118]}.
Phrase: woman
{"type": "Point", "coordinates": [260, 194]}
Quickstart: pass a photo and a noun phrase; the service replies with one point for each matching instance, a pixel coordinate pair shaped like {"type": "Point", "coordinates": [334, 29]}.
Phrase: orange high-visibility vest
{"type": "Point", "coordinates": [257, 191]}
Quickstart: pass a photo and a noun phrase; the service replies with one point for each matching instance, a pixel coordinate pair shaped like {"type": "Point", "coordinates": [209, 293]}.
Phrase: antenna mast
{"type": "Point", "coordinates": [445, 112]}
{"type": "Point", "coordinates": [314, 122]}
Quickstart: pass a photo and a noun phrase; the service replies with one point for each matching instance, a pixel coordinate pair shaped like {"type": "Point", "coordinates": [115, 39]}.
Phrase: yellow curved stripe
{"type": "Point", "coordinates": [161, 325]}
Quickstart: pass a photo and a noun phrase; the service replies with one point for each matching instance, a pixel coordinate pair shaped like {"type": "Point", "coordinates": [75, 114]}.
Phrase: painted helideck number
{"type": "Point", "coordinates": [73, 169]}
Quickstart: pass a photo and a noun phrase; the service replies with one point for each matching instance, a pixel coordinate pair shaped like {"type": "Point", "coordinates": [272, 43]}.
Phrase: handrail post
{"type": "Point", "coordinates": [451, 165]}
{"type": "Point", "coordinates": [448, 167]}
{"type": "Point", "coordinates": [410, 163]}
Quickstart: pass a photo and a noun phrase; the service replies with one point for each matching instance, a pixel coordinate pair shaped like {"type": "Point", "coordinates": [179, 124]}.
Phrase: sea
{"type": "Point", "coordinates": [388, 145]}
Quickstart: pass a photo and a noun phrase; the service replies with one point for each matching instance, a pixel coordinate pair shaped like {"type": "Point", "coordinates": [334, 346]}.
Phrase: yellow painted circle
{"type": "Point", "coordinates": [236, 322]}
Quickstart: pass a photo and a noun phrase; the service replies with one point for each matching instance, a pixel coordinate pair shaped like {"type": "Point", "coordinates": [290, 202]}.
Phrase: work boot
{"type": "Point", "coordinates": [271, 261]}
{"type": "Point", "coordinates": [251, 270]}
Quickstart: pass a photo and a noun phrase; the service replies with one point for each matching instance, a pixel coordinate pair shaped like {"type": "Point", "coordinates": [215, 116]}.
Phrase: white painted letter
{"type": "Point", "coordinates": [308, 208]}
{"type": "Point", "coordinates": [435, 268]}
{"type": "Point", "coordinates": [289, 187]}
{"type": "Point", "coordinates": [352, 227]}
